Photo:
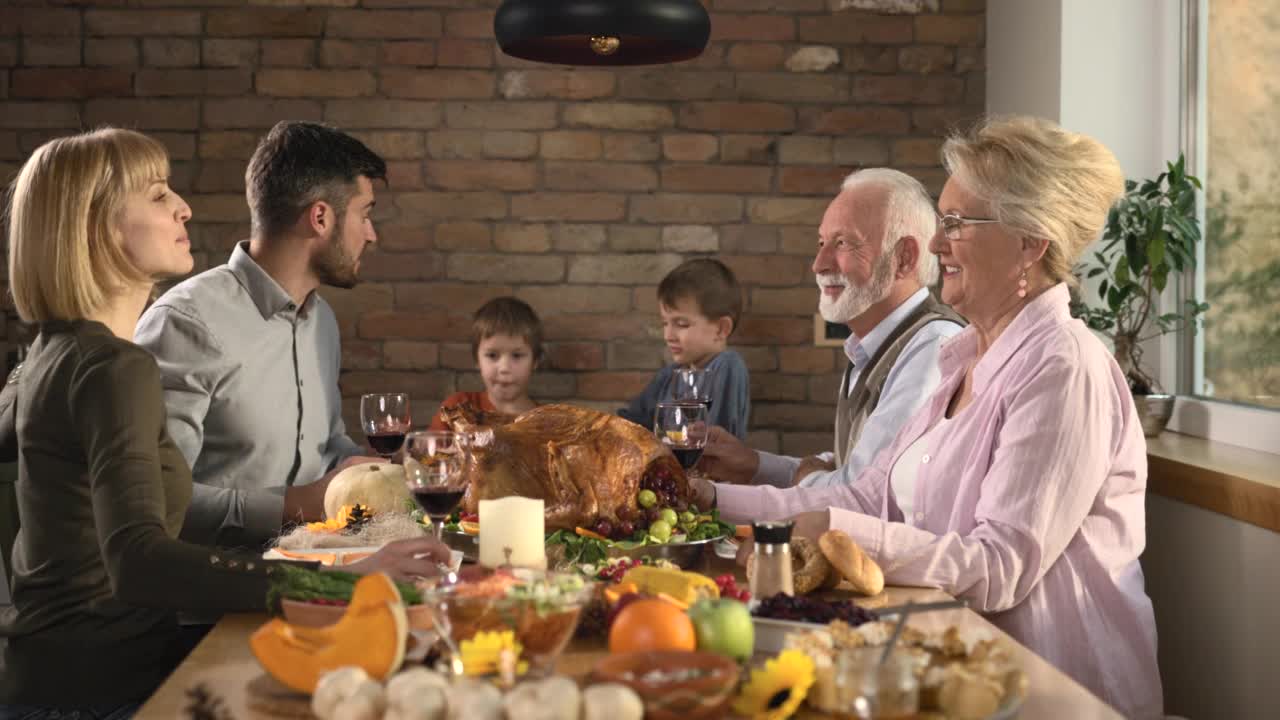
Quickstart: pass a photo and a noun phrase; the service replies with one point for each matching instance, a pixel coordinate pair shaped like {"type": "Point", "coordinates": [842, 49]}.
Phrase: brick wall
{"type": "Point", "coordinates": [575, 189]}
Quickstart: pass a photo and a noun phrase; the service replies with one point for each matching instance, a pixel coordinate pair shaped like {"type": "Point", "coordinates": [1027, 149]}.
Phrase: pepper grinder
{"type": "Point", "coordinates": [771, 561]}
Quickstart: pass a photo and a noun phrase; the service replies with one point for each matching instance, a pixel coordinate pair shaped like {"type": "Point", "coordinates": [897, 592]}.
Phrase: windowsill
{"type": "Point", "coordinates": [1233, 481]}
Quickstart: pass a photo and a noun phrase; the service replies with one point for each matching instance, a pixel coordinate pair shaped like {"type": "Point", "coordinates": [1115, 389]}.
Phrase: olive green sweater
{"type": "Point", "coordinates": [98, 573]}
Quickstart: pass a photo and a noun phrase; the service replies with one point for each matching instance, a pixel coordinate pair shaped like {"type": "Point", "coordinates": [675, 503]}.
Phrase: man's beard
{"type": "Point", "coordinates": [333, 267]}
{"type": "Point", "coordinates": [855, 299]}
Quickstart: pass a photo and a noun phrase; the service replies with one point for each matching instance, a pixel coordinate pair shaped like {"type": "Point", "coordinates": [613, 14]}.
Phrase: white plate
{"type": "Point", "coordinates": [342, 555]}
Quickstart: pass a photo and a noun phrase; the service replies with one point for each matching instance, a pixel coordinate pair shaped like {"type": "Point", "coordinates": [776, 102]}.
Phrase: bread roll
{"type": "Point", "coordinates": [851, 562]}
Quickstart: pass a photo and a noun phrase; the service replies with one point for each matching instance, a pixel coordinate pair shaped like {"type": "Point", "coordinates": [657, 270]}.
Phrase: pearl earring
{"type": "Point", "coordinates": [1022, 283]}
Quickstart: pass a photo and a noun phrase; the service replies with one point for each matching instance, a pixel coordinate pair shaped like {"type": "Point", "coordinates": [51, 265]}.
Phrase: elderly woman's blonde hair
{"type": "Point", "coordinates": [66, 259]}
{"type": "Point", "coordinates": [1040, 180]}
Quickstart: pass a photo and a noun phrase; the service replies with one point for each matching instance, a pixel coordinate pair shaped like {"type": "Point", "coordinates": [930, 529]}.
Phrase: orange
{"type": "Point", "coordinates": [652, 624]}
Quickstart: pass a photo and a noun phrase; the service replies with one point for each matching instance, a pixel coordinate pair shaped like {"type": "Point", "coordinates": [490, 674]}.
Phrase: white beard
{"type": "Point", "coordinates": [855, 299]}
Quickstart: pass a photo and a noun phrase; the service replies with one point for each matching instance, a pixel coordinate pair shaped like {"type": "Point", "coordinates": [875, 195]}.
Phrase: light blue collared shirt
{"type": "Point", "coordinates": [251, 388]}
{"type": "Point", "coordinates": [910, 382]}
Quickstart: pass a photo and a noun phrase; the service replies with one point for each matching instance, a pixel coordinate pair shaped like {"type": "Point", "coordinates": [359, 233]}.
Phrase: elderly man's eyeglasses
{"type": "Point", "coordinates": [952, 224]}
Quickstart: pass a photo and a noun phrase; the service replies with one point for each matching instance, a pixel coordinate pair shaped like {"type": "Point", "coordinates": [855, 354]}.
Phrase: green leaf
{"type": "Point", "coordinates": [1159, 277]}
{"type": "Point", "coordinates": [1102, 289]}
{"type": "Point", "coordinates": [1114, 299]}
{"type": "Point", "coordinates": [1096, 272]}
{"type": "Point", "coordinates": [1155, 248]}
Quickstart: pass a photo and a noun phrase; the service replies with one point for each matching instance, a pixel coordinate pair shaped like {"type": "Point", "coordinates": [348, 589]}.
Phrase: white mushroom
{"type": "Point", "coordinates": [417, 694]}
{"type": "Point", "coordinates": [555, 698]}
{"type": "Point", "coordinates": [337, 686]}
{"type": "Point", "coordinates": [367, 703]}
{"type": "Point", "coordinates": [611, 701]}
{"type": "Point", "coordinates": [471, 699]}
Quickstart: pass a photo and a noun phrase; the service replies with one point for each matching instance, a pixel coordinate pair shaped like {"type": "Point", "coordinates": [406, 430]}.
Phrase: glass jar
{"type": "Point", "coordinates": [771, 561]}
{"type": "Point", "coordinates": [874, 691]}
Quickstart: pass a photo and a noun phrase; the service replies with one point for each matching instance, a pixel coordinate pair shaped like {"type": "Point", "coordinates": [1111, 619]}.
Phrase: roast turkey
{"type": "Point", "coordinates": [585, 465]}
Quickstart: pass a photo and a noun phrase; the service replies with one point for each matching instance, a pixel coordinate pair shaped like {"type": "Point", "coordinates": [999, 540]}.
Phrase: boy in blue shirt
{"type": "Point", "coordinates": [700, 304]}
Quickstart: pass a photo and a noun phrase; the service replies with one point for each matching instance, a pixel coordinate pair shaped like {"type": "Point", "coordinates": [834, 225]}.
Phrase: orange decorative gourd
{"type": "Point", "coordinates": [371, 635]}
{"type": "Point", "coordinates": [652, 624]}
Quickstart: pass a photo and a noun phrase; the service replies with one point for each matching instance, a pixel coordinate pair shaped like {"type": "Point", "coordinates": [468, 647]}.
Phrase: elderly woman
{"type": "Point", "coordinates": [98, 571]}
{"type": "Point", "coordinates": [1025, 473]}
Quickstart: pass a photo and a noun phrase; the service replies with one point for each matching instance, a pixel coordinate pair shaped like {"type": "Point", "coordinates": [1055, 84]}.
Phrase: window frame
{"type": "Point", "coordinates": [1182, 354]}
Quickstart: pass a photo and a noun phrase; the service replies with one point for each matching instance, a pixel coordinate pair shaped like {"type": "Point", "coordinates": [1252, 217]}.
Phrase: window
{"type": "Point", "coordinates": [1231, 384]}
{"type": "Point", "coordinates": [1240, 152]}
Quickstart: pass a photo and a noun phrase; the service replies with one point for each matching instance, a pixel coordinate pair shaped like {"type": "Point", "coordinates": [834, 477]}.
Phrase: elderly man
{"type": "Point", "coordinates": [873, 273]}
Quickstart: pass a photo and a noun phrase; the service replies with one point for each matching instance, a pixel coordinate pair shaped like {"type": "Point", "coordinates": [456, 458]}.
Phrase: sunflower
{"type": "Point", "coordinates": [776, 691]}
{"type": "Point", "coordinates": [489, 652]}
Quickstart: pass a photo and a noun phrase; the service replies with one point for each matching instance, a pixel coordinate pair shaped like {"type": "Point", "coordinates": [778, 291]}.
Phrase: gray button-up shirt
{"type": "Point", "coordinates": [251, 388]}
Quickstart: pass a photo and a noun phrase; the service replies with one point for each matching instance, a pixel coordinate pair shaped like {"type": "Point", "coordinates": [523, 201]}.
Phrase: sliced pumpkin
{"type": "Point", "coordinates": [372, 635]}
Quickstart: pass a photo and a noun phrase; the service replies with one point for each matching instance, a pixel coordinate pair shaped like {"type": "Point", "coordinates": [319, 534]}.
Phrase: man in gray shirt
{"type": "Point", "coordinates": [249, 352]}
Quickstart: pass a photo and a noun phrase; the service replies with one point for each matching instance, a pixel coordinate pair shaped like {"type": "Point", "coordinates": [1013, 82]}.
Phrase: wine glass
{"type": "Point", "coordinates": [693, 384]}
{"type": "Point", "coordinates": [436, 478]}
{"type": "Point", "coordinates": [385, 419]}
{"type": "Point", "coordinates": [682, 427]}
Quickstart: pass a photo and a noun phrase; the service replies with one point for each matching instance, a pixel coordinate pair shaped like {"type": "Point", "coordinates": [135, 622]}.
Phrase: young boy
{"type": "Point", "coordinates": [506, 339]}
{"type": "Point", "coordinates": [700, 304]}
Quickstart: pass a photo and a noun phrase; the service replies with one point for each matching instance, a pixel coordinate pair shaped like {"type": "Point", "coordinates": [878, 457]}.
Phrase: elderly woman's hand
{"type": "Point", "coordinates": [726, 459]}
{"type": "Point", "coordinates": [811, 524]}
{"type": "Point", "coordinates": [405, 559]}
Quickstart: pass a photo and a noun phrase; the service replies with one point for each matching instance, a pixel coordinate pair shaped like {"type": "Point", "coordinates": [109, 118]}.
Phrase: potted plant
{"type": "Point", "coordinates": [1151, 234]}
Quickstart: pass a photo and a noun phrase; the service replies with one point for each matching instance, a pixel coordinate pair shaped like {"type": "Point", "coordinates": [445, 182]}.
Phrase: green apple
{"type": "Point", "coordinates": [669, 517]}
{"type": "Point", "coordinates": [724, 626]}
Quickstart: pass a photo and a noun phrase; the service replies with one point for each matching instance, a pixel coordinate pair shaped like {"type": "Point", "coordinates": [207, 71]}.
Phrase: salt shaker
{"type": "Point", "coordinates": [771, 562]}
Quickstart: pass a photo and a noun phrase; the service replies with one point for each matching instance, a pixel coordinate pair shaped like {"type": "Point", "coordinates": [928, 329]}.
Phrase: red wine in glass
{"type": "Point", "coordinates": [436, 477]}
{"type": "Point", "coordinates": [386, 443]}
{"type": "Point", "coordinates": [438, 502]}
{"type": "Point", "coordinates": [687, 456]}
{"type": "Point", "coordinates": [385, 418]}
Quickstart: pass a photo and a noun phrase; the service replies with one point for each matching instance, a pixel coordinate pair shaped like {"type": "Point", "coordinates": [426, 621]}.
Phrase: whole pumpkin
{"type": "Point", "coordinates": [378, 486]}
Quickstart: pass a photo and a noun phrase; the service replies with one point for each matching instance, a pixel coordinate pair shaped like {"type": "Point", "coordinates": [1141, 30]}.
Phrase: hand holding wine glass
{"type": "Point", "coordinates": [436, 477]}
{"type": "Point", "coordinates": [385, 418]}
{"type": "Point", "coordinates": [682, 426]}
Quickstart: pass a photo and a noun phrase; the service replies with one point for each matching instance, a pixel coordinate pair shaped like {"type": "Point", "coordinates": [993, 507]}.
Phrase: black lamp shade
{"type": "Point", "coordinates": [602, 32]}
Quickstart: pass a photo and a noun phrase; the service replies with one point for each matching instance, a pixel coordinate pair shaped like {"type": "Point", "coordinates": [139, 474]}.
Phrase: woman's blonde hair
{"type": "Point", "coordinates": [1040, 180]}
{"type": "Point", "coordinates": [65, 253]}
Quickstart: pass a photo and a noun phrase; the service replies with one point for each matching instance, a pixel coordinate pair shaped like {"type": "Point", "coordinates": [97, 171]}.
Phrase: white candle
{"type": "Point", "coordinates": [513, 525]}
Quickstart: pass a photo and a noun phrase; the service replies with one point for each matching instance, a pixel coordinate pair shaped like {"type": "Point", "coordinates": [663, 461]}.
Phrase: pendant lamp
{"type": "Point", "coordinates": [602, 32]}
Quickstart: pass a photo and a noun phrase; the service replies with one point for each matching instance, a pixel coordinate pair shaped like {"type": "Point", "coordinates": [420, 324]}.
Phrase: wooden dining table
{"type": "Point", "coordinates": [222, 666]}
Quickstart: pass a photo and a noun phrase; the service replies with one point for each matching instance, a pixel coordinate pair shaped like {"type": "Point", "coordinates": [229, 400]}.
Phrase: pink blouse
{"type": "Point", "coordinates": [1031, 506]}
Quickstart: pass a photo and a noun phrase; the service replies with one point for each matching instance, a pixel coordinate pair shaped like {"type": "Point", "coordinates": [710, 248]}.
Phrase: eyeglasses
{"type": "Point", "coordinates": [952, 224]}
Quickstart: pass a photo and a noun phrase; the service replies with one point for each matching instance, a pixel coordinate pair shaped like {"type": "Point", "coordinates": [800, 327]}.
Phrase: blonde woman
{"type": "Point", "coordinates": [1020, 484]}
{"type": "Point", "coordinates": [97, 570]}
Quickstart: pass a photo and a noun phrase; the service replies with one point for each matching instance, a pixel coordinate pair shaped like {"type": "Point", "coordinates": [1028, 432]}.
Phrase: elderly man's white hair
{"type": "Point", "coordinates": [909, 211]}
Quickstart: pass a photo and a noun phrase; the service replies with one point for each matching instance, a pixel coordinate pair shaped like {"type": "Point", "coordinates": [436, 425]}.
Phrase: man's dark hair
{"type": "Point", "coordinates": [710, 283]}
{"type": "Point", "coordinates": [299, 163]}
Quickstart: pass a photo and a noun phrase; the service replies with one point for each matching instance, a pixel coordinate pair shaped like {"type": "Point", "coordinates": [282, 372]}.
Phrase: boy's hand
{"type": "Point", "coordinates": [726, 459]}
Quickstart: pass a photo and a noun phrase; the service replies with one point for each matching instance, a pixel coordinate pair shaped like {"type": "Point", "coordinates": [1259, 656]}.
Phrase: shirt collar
{"type": "Point", "coordinates": [860, 350]}
{"type": "Point", "coordinates": [1052, 306]}
{"type": "Point", "coordinates": [266, 293]}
